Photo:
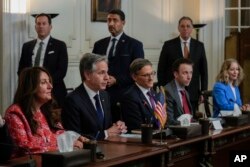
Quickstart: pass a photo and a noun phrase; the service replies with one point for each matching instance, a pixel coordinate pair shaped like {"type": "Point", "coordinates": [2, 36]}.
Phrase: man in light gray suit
{"type": "Point", "coordinates": [177, 98]}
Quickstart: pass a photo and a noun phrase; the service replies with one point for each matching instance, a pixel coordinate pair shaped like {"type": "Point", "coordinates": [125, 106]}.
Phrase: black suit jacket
{"type": "Point", "coordinates": [79, 113]}
{"type": "Point", "coordinates": [136, 109]}
{"type": "Point", "coordinates": [174, 106]}
{"type": "Point", "coordinates": [55, 61]}
{"type": "Point", "coordinates": [127, 49]}
{"type": "Point", "coordinates": [170, 52]}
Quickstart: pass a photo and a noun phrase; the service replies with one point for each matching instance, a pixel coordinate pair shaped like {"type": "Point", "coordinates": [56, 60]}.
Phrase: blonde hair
{"type": "Point", "coordinates": [223, 76]}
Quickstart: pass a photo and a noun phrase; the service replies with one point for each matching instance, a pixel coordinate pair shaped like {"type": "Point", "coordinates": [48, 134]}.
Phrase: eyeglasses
{"type": "Point", "coordinates": [152, 74]}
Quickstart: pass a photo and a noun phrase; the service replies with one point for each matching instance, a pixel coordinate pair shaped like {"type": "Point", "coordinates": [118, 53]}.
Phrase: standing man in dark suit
{"type": "Point", "coordinates": [87, 108]}
{"type": "Point", "coordinates": [136, 106]}
{"type": "Point", "coordinates": [47, 52]}
{"type": "Point", "coordinates": [185, 47]}
{"type": "Point", "coordinates": [175, 90]}
{"type": "Point", "coordinates": [121, 50]}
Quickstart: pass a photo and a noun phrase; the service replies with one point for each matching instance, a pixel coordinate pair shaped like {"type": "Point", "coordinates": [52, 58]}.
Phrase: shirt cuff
{"type": "Point", "coordinates": [106, 134]}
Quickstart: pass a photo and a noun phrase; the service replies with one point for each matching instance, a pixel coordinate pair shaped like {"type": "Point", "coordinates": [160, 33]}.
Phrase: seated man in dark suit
{"type": "Point", "coordinates": [178, 101]}
{"type": "Point", "coordinates": [87, 108]}
{"type": "Point", "coordinates": [137, 105]}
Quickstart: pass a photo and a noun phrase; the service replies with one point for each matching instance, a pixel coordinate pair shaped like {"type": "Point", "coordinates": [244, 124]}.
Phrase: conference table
{"type": "Point", "coordinates": [212, 149]}
{"type": "Point", "coordinates": [222, 142]}
{"type": "Point", "coordinates": [177, 152]}
{"type": "Point", "coordinates": [122, 154]}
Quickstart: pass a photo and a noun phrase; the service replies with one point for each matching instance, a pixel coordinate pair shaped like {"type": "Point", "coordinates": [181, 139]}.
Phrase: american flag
{"type": "Point", "coordinates": [160, 107]}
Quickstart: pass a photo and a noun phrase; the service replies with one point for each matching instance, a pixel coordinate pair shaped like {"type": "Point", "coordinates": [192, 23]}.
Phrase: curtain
{"type": "Point", "coordinates": [14, 35]}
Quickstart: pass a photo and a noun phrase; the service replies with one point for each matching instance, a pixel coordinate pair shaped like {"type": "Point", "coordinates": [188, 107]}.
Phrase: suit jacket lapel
{"type": "Point", "coordinates": [179, 49]}
{"type": "Point", "coordinates": [33, 44]}
{"type": "Point", "coordinates": [106, 44]}
{"type": "Point", "coordinates": [48, 48]}
{"type": "Point", "coordinates": [88, 104]}
{"type": "Point", "coordinates": [177, 97]}
{"type": "Point", "coordinates": [191, 48]}
{"type": "Point", "coordinates": [146, 105]}
{"type": "Point", "coordinates": [104, 107]}
{"type": "Point", "coordinates": [188, 99]}
{"type": "Point", "coordinates": [31, 51]}
{"type": "Point", "coordinates": [120, 44]}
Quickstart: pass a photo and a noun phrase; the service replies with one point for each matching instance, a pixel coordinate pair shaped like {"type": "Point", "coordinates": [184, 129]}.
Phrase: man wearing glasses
{"type": "Point", "coordinates": [137, 106]}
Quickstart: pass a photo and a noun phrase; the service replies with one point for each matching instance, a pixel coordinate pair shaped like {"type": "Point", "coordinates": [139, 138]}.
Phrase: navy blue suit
{"type": "Point", "coordinates": [127, 50]}
{"type": "Point", "coordinates": [136, 109]}
{"type": "Point", "coordinates": [223, 98]}
{"type": "Point", "coordinates": [79, 113]}
{"type": "Point", "coordinates": [55, 61]}
{"type": "Point", "coordinates": [171, 51]}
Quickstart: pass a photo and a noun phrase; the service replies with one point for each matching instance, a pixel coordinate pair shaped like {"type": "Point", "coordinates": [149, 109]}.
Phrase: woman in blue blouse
{"type": "Point", "coordinates": [226, 94]}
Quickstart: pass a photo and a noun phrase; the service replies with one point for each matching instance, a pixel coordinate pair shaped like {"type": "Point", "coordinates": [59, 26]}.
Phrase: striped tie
{"type": "Point", "coordinates": [186, 52]}
{"type": "Point", "coordinates": [38, 54]}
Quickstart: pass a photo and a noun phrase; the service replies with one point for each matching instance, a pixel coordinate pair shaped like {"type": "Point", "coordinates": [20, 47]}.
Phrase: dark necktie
{"type": "Point", "coordinates": [185, 102]}
{"type": "Point", "coordinates": [111, 50]}
{"type": "Point", "coordinates": [98, 108]}
{"type": "Point", "coordinates": [151, 99]}
{"type": "Point", "coordinates": [186, 52]}
{"type": "Point", "coordinates": [38, 54]}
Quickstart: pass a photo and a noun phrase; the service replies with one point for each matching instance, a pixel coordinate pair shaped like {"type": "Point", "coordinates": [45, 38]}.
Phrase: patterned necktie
{"type": "Point", "coordinates": [186, 52]}
{"type": "Point", "coordinates": [38, 54]}
{"type": "Point", "coordinates": [98, 108]}
{"type": "Point", "coordinates": [111, 50]}
{"type": "Point", "coordinates": [185, 102]}
{"type": "Point", "coordinates": [151, 99]}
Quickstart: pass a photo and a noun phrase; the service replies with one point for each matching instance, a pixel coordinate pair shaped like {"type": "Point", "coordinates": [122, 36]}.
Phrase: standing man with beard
{"type": "Point", "coordinates": [121, 50]}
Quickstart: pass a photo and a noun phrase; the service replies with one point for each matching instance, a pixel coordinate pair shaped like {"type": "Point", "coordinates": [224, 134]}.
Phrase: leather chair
{"type": "Point", "coordinates": [207, 94]}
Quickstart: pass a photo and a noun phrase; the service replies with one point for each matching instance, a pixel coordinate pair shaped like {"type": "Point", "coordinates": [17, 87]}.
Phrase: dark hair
{"type": "Point", "coordinates": [138, 64]}
{"type": "Point", "coordinates": [118, 12]}
{"type": "Point", "coordinates": [44, 14]}
{"type": "Point", "coordinates": [88, 62]}
{"type": "Point", "coordinates": [177, 63]}
{"type": "Point", "coordinates": [26, 91]}
{"type": "Point", "coordinates": [185, 18]}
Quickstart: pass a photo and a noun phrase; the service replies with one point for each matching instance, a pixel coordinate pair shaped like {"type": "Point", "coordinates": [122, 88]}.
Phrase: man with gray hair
{"type": "Point", "coordinates": [184, 46]}
{"type": "Point", "coordinates": [87, 108]}
{"type": "Point", "coordinates": [138, 105]}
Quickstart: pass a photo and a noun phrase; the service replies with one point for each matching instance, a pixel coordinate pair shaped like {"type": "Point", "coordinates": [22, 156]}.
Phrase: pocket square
{"type": "Point", "coordinates": [50, 52]}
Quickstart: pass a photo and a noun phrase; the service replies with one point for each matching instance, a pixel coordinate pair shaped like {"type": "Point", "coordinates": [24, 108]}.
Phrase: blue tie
{"type": "Point", "coordinates": [111, 50]}
{"type": "Point", "coordinates": [98, 108]}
